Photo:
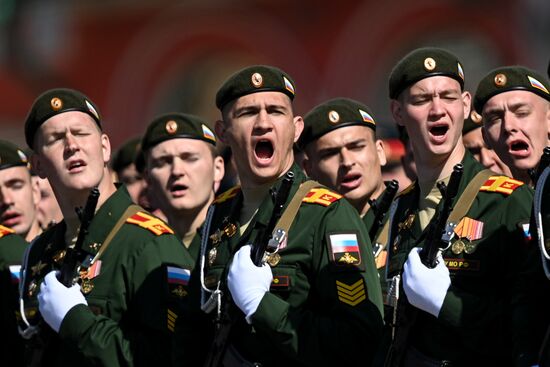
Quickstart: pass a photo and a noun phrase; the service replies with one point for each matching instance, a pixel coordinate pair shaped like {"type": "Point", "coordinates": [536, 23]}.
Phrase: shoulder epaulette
{"type": "Point", "coordinates": [150, 222]}
{"type": "Point", "coordinates": [226, 195]}
{"type": "Point", "coordinates": [4, 231]}
{"type": "Point", "coordinates": [407, 189]}
{"type": "Point", "coordinates": [321, 196]}
{"type": "Point", "coordinates": [502, 184]}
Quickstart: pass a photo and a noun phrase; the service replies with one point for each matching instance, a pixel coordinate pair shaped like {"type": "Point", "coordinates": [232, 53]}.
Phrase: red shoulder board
{"type": "Point", "coordinates": [149, 222]}
{"type": "Point", "coordinates": [407, 189]}
{"type": "Point", "coordinates": [224, 196]}
{"type": "Point", "coordinates": [502, 184]}
{"type": "Point", "coordinates": [4, 231]}
{"type": "Point", "coordinates": [321, 196]}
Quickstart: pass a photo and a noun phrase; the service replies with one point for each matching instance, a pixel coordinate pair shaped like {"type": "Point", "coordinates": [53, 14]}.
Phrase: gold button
{"type": "Point", "coordinates": [56, 104]}
{"type": "Point", "coordinates": [257, 80]}
{"type": "Point", "coordinates": [475, 117]}
{"type": "Point", "coordinates": [171, 127]}
{"type": "Point", "coordinates": [333, 117]}
{"type": "Point", "coordinates": [500, 80]}
{"type": "Point", "coordinates": [429, 64]}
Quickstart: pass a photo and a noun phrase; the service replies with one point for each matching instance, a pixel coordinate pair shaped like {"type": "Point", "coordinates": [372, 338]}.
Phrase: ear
{"type": "Point", "coordinates": [467, 103]}
{"type": "Point", "coordinates": [307, 165]}
{"type": "Point", "coordinates": [381, 152]}
{"type": "Point", "coordinates": [37, 165]}
{"type": "Point", "coordinates": [397, 111]}
{"type": "Point", "coordinates": [219, 172]}
{"type": "Point", "coordinates": [35, 190]}
{"type": "Point", "coordinates": [106, 147]}
{"type": "Point", "coordinates": [298, 127]}
{"type": "Point", "coordinates": [220, 129]}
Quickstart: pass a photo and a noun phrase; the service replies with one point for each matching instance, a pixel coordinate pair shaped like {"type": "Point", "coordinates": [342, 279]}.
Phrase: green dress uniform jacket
{"type": "Point", "coordinates": [484, 319]}
{"type": "Point", "coordinates": [321, 310]}
{"type": "Point", "coordinates": [12, 247]}
{"type": "Point", "coordinates": [134, 298]}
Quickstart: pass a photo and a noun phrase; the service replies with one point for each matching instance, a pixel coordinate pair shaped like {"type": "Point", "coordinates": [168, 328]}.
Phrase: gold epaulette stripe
{"type": "Point", "coordinates": [226, 195]}
{"type": "Point", "coordinates": [321, 196]}
{"type": "Point", "coordinates": [5, 231]}
{"type": "Point", "coordinates": [149, 222]}
{"type": "Point", "coordinates": [501, 184]}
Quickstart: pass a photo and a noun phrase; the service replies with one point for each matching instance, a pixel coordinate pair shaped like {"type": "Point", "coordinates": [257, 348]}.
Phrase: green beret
{"type": "Point", "coordinates": [173, 126]}
{"type": "Point", "coordinates": [54, 102]}
{"type": "Point", "coordinates": [423, 63]}
{"type": "Point", "coordinates": [253, 79]}
{"type": "Point", "coordinates": [472, 122]}
{"type": "Point", "coordinates": [11, 155]}
{"type": "Point", "coordinates": [332, 115]}
{"type": "Point", "coordinates": [126, 154]}
{"type": "Point", "coordinates": [509, 78]}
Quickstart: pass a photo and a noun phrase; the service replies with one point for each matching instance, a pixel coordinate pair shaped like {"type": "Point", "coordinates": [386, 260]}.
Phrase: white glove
{"type": "Point", "coordinates": [55, 300]}
{"type": "Point", "coordinates": [425, 288]}
{"type": "Point", "coordinates": [247, 282]}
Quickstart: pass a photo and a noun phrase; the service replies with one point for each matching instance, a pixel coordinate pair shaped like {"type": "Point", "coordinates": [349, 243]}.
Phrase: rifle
{"type": "Point", "coordinates": [438, 236]}
{"type": "Point", "coordinates": [74, 256]}
{"type": "Point", "coordinates": [266, 242]}
{"type": "Point", "coordinates": [544, 162]}
{"type": "Point", "coordinates": [381, 206]}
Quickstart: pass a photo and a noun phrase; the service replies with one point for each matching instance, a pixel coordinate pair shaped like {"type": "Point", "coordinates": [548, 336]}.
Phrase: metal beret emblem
{"type": "Point", "coordinates": [500, 80]}
{"type": "Point", "coordinates": [475, 117]}
{"type": "Point", "coordinates": [171, 127]}
{"type": "Point", "coordinates": [257, 80]}
{"type": "Point", "coordinates": [429, 64]}
{"type": "Point", "coordinates": [333, 116]}
{"type": "Point", "coordinates": [56, 103]}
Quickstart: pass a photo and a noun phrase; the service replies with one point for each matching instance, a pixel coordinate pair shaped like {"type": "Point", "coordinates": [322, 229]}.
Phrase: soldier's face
{"type": "Point", "coordinates": [135, 184]}
{"type": "Point", "coordinates": [71, 152]}
{"type": "Point", "coordinates": [348, 160]}
{"type": "Point", "coordinates": [432, 110]}
{"type": "Point", "coordinates": [47, 210]}
{"type": "Point", "coordinates": [183, 174]}
{"type": "Point", "coordinates": [18, 199]}
{"type": "Point", "coordinates": [516, 125]}
{"type": "Point", "coordinates": [260, 128]}
{"type": "Point", "coordinates": [473, 141]}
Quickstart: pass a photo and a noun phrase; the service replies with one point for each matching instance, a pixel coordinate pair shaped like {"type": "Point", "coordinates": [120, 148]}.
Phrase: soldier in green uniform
{"type": "Point", "coordinates": [514, 102]}
{"type": "Point", "coordinates": [317, 300]}
{"type": "Point", "coordinates": [471, 309]}
{"type": "Point", "coordinates": [19, 196]}
{"type": "Point", "coordinates": [13, 169]}
{"type": "Point", "coordinates": [472, 138]}
{"type": "Point", "coordinates": [183, 170]}
{"type": "Point", "coordinates": [132, 282]}
{"type": "Point", "coordinates": [123, 164]}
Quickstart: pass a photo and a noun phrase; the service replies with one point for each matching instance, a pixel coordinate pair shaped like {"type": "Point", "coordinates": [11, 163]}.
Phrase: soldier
{"type": "Point", "coordinates": [48, 212]}
{"type": "Point", "coordinates": [318, 301]}
{"type": "Point", "coordinates": [18, 195]}
{"type": "Point", "coordinates": [472, 138]}
{"type": "Point", "coordinates": [514, 103]}
{"type": "Point", "coordinates": [468, 308]}
{"type": "Point", "coordinates": [123, 165]}
{"type": "Point", "coordinates": [15, 176]}
{"type": "Point", "coordinates": [342, 152]}
{"type": "Point", "coordinates": [133, 278]}
{"type": "Point", "coordinates": [184, 170]}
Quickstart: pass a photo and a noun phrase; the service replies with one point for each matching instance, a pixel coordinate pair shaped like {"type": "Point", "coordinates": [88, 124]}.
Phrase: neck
{"type": "Point", "coordinates": [362, 206]}
{"type": "Point", "coordinates": [433, 169]}
{"type": "Point", "coordinates": [34, 231]}
{"type": "Point", "coordinates": [185, 222]}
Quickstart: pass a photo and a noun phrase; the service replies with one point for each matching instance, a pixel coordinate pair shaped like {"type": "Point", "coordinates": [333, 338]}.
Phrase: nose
{"type": "Point", "coordinates": [263, 122]}
{"type": "Point", "coordinates": [5, 198]}
{"type": "Point", "coordinates": [436, 109]}
{"type": "Point", "coordinates": [346, 158]}
{"type": "Point", "coordinates": [510, 122]}
{"type": "Point", "coordinates": [71, 145]}
{"type": "Point", "coordinates": [178, 167]}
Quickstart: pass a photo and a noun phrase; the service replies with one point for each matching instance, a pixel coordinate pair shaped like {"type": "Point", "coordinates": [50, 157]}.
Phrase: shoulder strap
{"type": "Point", "coordinates": [131, 210]}
{"type": "Point", "coordinates": [291, 210]}
{"type": "Point", "coordinates": [468, 195]}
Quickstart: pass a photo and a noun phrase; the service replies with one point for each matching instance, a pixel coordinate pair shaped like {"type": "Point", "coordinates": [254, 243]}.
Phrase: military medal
{"type": "Point", "coordinates": [58, 256]}
{"type": "Point", "coordinates": [86, 286]}
{"type": "Point", "coordinates": [212, 255]}
{"type": "Point", "coordinates": [230, 229]}
{"type": "Point", "coordinates": [470, 248]}
{"type": "Point", "coordinates": [37, 268]}
{"type": "Point", "coordinates": [273, 259]}
{"type": "Point", "coordinates": [32, 288]}
{"type": "Point", "coordinates": [458, 247]}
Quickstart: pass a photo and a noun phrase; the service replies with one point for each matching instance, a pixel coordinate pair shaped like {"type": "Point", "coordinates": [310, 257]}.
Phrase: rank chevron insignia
{"type": "Point", "coordinates": [149, 222]}
{"type": "Point", "coordinates": [226, 195]}
{"type": "Point", "coordinates": [351, 294]}
{"type": "Point", "coordinates": [5, 231]}
{"type": "Point", "coordinates": [321, 196]}
{"type": "Point", "coordinates": [502, 184]}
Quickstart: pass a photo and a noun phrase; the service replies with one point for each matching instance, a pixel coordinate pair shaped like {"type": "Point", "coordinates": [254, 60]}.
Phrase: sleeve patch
{"type": "Point", "coordinates": [321, 196]}
{"type": "Point", "coordinates": [351, 294]}
{"type": "Point", "coordinates": [178, 279]}
{"type": "Point", "coordinates": [501, 184]}
{"type": "Point", "coordinates": [171, 318]}
{"type": "Point", "coordinates": [5, 231]}
{"type": "Point", "coordinates": [150, 222]}
{"type": "Point", "coordinates": [344, 249]}
{"type": "Point", "coordinates": [224, 196]}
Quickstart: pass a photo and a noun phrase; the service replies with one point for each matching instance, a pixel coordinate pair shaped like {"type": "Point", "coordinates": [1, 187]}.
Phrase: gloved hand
{"type": "Point", "coordinates": [247, 282]}
{"type": "Point", "coordinates": [55, 300]}
{"type": "Point", "coordinates": [425, 288]}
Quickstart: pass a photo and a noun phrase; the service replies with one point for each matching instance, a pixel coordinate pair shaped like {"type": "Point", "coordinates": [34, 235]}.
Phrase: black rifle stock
{"type": "Point", "coordinates": [75, 255]}
{"type": "Point", "coordinates": [543, 163]}
{"type": "Point", "coordinates": [437, 237]}
{"type": "Point", "coordinates": [381, 206]}
{"type": "Point", "coordinates": [264, 243]}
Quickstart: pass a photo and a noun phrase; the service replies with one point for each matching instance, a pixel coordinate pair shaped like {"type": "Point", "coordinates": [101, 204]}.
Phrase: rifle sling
{"type": "Point", "coordinates": [131, 210]}
{"type": "Point", "coordinates": [461, 208]}
{"type": "Point", "coordinates": [291, 210]}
